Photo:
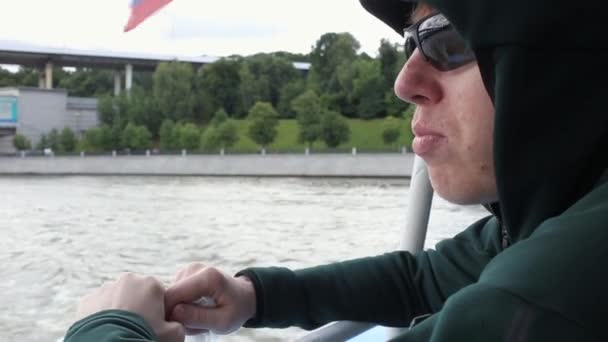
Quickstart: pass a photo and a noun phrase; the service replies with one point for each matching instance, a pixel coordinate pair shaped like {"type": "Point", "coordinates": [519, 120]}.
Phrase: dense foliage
{"type": "Point", "coordinates": [179, 107]}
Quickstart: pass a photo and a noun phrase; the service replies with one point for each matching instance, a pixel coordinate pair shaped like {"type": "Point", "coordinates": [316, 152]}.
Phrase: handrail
{"type": "Point", "coordinates": [338, 331]}
{"type": "Point", "coordinates": [420, 198]}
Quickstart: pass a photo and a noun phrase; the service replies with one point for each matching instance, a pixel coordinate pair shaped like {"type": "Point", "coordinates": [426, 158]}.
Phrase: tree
{"type": "Point", "coordinates": [54, 140]}
{"type": "Point", "coordinates": [142, 139]}
{"type": "Point", "coordinates": [105, 109]}
{"type": "Point", "coordinates": [86, 82]}
{"type": "Point", "coordinates": [141, 109]}
{"type": "Point", "coordinates": [127, 137]}
{"type": "Point", "coordinates": [109, 137]}
{"type": "Point", "coordinates": [21, 143]}
{"type": "Point", "coordinates": [252, 89]}
{"type": "Point", "coordinates": [189, 136]}
{"type": "Point", "coordinates": [222, 136]}
{"type": "Point", "coordinates": [67, 140]}
{"type": "Point", "coordinates": [334, 129]}
{"type": "Point", "coordinates": [7, 78]}
{"type": "Point", "coordinates": [391, 131]}
{"type": "Point", "coordinates": [288, 93]}
{"type": "Point", "coordinates": [263, 76]}
{"type": "Point", "coordinates": [92, 140]}
{"type": "Point", "coordinates": [361, 89]}
{"type": "Point", "coordinates": [27, 77]}
{"type": "Point", "coordinates": [331, 50]}
{"type": "Point", "coordinates": [219, 83]}
{"type": "Point", "coordinates": [264, 120]}
{"type": "Point", "coordinates": [389, 58]}
{"type": "Point", "coordinates": [227, 134]}
{"type": "Point", "coordinates": [168, 136]}
{"type": "Point", "coordinates": [173, 90]}
{"type": "Point", "coordinates": [219, 118]}
{"type": "Point", "coordinates": [43, 143]}
{"type": "Point", "coordinates": [308, 108]}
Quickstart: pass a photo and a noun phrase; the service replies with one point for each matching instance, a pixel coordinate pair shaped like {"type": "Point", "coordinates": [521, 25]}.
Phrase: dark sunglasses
{"type": "Point", "coordinates": [439, 43]}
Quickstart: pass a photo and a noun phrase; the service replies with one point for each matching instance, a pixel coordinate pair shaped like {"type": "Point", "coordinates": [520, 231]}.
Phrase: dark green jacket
{"type": "Point", "coordinates": [111, 326]}
{"type": "Point", "coordinates": [543, 63]}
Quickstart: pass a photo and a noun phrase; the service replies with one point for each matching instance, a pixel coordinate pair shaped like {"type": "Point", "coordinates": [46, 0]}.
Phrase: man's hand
{"type": "Point", "coordinates": [138, 294]}
{"type": "Point", "coordinates": [234, 299]}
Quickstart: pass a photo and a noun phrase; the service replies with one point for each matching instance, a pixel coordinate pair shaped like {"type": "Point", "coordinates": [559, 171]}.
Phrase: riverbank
{"type": "Point", "coordinates": [393, 165]}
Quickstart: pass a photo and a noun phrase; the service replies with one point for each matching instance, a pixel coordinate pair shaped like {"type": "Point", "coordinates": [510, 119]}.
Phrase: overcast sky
{"type": "Point", "coordinates": [192, 27]}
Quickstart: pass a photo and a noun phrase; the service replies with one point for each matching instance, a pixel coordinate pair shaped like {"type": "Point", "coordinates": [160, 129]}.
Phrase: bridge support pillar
{"type": "Point", "coordinates": [40, 79]}
{"type": "Point", "coordinates": [116, 83]}
{"type": "Point", "coordinates": [128, 78]}
{"type": "Point", "coordinates": [48, 75]}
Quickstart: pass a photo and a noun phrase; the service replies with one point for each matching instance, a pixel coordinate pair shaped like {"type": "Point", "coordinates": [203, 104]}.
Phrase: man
{"type": "Point", "coordinates": [490, 80]}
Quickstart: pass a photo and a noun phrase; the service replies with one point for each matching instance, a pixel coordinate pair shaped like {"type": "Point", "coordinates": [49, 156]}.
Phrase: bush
{"type": "Point", "coordinates": [43, 143]}
{"type": "Point", "coordinates": [67, 140]}
{"type": "Point", "coordinates": [308, 110]}
{"type": "Point", "coordinates": [227, 134]}
{"type": "Point", "coordinates": [54, 141]}
{"type": "Point", "coordinates": [390, 131]}
{"type": "Point", "coordinates": [136, 137]}
{"type": "Point", "coordinates": [334, 129]}
{"type": "Point", "coordinates": [142, 139]}
{"type": "Point", "coordinates": [219, 118]}
{"type": "Point", "coordinates": [189, 136]}
{"type": "Point", "coordinates": [21, 143]}
{"type": "Point", "coordinates": [224, 136]}
{"type": "Point", "coordinates": [263, 123]}
{"type": "Point", "coordinates": [92, 140]}
{"type": "Point", "coordinates": [169, 139]}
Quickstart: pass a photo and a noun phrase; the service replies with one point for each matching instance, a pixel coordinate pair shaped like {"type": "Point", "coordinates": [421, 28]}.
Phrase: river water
{"type": "Point", "coordinates": [61, 237]}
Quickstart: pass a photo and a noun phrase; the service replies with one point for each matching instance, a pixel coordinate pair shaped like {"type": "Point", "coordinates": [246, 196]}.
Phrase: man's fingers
{"type": "Point", "coordinates": [195, 317]}
{"type": "Point", "coordinates": [204, 283]}
{"type": "Point", "coordinates": [172, 332]}
{"type": "Point", "coordinates": [189, 270]}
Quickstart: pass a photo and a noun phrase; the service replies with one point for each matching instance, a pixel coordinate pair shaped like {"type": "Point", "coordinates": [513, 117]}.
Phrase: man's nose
{"type": "Point", "coordinates": [417, 81]}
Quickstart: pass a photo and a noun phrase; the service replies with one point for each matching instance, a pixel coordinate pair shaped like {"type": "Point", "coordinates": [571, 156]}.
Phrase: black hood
{"type": "Point", "coordinates": [543, 62]}
{"type": "Point", "coordinates": [394, 13]}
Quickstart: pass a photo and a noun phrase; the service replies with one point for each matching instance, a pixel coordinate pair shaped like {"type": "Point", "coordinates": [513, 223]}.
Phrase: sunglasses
{"type": "Point", "coordinates": [438, 42]}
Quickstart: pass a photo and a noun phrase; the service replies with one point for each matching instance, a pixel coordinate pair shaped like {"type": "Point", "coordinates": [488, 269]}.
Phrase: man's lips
{"type": "Point", "coordinates": [426, 139]}
{"type": "Point", "coordinates": [423, 130]}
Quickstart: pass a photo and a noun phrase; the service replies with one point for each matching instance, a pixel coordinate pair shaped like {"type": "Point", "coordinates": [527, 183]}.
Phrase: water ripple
{"type": "Point", "coordinates": [83, 231]}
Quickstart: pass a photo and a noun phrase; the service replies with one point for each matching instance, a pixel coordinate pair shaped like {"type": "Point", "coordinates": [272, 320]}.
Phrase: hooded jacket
{"type": "Point", "coordinates": [535, 57]}
{"type": "Point", "coordinates": [543, 64]}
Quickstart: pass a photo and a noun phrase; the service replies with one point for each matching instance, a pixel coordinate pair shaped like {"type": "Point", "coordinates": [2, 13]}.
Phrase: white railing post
{"type": "Point", "coordinates": [419, 202]}
{"type": "Point", "coordinates": [412, 239]}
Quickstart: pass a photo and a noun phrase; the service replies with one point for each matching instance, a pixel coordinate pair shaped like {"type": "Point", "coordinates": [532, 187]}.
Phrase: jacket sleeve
{"type": "Point", "coordinates": [389, 289]}
{"type": "Point", "coordinates": [111, 326]}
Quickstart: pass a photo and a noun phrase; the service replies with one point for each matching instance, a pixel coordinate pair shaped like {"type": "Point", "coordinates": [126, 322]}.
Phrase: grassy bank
{"type": "Point", "coordinates": [366, 135]}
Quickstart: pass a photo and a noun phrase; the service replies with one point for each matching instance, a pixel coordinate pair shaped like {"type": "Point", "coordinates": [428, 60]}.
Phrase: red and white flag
{"type": "Point", "coordinates": [141, 10]}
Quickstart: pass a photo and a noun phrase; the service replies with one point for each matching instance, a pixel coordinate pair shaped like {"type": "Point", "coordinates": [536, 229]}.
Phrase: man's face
{"type": "Point", "coordinates": [453, 127]}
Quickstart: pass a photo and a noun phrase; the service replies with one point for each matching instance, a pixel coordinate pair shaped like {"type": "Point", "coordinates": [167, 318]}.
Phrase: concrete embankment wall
{"type": "Point", "coordinates": [319, 165]}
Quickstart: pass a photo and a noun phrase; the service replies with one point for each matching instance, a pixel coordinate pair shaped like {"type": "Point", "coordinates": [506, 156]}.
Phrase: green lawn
{"type": "Point", "coordinates": [366, 135]}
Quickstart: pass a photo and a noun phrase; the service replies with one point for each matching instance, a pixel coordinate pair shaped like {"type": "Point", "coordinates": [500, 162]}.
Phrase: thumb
{"type": "Point", "coordinates": [172, 332]}
{"type": "Point", "coordinates": [190, 289]}
{"type": "Point", "coordinates": [196, 317]}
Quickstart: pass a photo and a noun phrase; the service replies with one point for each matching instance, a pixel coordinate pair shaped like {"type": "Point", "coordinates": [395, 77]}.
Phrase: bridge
{"type": "Point", "coordinates": [44, 58]}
